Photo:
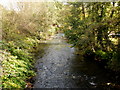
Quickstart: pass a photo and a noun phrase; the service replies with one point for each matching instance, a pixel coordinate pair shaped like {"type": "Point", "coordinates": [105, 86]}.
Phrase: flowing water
{"type": "Point", "coordinates": [59, 67]}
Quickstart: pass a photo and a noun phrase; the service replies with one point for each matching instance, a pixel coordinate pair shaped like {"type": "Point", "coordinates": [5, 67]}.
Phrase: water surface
{"type": "Point", "coordinates": [59, 67]}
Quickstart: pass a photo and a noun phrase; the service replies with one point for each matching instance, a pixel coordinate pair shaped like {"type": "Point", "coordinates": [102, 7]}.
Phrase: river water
{"type": "Point", "coordinates": [59, 67]}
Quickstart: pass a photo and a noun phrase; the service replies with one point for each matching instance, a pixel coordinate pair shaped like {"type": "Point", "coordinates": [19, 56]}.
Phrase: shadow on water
{"type": "Point", "coordinates": [88, 74]}
{"type": "Point", "coordinates": [59, 67]}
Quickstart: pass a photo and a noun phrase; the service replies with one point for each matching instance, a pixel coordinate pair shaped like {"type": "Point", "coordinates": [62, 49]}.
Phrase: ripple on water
{"type": "Point", "coordinates": [59, 67]}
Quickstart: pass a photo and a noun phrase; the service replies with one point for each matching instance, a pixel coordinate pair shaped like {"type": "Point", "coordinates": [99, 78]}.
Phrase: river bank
{"type": "Point", "coordinates": [58, 66]}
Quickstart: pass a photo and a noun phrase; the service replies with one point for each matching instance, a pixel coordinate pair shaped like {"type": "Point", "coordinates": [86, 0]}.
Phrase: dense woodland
{"type": "Point", "coordinates": [93, 28]}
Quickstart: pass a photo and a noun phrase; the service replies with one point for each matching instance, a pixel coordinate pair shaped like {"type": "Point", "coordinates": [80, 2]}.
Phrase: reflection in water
{"type": "Point", "coordinates": [88, 74]}
{"type": "Point", "coordinates": [59, 67]}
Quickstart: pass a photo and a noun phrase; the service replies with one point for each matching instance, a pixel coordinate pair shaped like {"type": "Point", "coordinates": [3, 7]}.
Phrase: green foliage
{"type": "Point", "coordinates": [114, 63]}
{"type": "Point", "coordinates": [88, 27]}
{"type": "Point", "coordinates": [21, 32]}
{"type": "Point", "coordinates": [15, 71]}
{"type": "Point", "coordinates": [102, 55]}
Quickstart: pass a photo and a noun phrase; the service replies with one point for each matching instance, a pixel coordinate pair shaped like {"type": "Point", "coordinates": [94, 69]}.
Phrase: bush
{"type": "Point", "coordinates": [89, 54]}
{"type": "Point", "coordinates": [103, 55]}
{"type": "Point", "coordinates": [15, 71]}
{"type": "Point", "coordinates": [114, 63]}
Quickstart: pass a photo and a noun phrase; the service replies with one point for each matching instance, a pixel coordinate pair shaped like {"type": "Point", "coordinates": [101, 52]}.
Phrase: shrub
{"type": "Point", "coordinates": [15, 71]}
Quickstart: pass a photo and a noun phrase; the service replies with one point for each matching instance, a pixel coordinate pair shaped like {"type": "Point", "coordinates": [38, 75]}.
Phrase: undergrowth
{"type": "Point", "coordinates": [17, 63]}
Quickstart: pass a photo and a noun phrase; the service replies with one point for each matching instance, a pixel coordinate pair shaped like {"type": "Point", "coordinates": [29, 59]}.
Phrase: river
{"type": "Point", "coordinates": [58, 66]}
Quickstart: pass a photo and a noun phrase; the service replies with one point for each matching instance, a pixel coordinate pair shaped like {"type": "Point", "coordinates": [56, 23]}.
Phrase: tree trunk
{"type": "Point", "coordinates": [112, 12]}
{"type": "Point", "coordinates": [83, 10]}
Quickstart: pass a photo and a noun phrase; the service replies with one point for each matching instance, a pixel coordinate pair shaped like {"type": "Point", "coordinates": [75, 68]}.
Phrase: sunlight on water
{"type": "Point", "coordinates": [60, 67]}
